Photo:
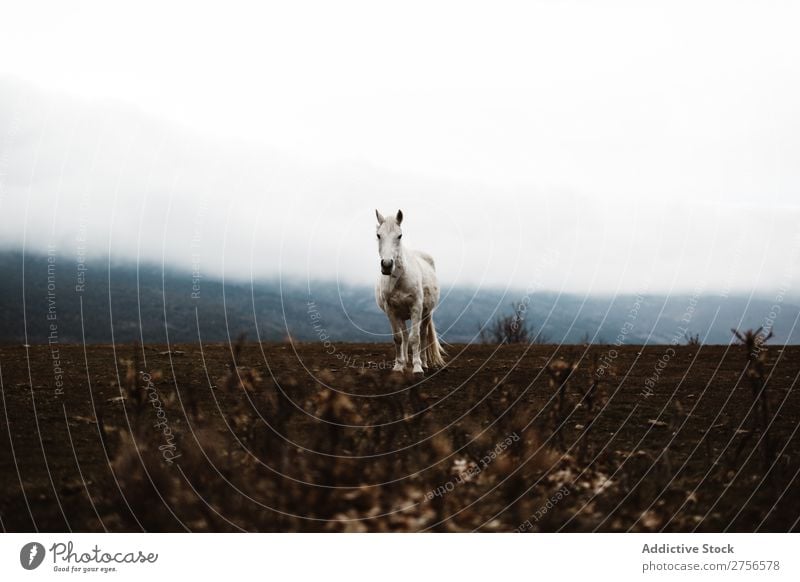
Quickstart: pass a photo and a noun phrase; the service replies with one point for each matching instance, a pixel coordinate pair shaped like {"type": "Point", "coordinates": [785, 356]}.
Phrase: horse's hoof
{"type": "Point", "coordinates": [418, 370]}
{"type": "Point", "coordinates": [398, 368]}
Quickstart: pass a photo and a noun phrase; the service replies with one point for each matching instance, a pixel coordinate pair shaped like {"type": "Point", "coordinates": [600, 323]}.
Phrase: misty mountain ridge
{"type": "Point", "coordinates": [123, 302]}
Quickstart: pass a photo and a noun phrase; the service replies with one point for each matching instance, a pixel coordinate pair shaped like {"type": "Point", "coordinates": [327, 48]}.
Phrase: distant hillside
{"type": "Point", "coordinates": [124, 303]}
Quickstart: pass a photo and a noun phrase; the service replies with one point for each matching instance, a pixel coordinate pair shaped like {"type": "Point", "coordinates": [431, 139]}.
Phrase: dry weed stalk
{"type": "Point", "coordinates": [560, 372]}
{"type": "Point", "coordinates": [755, 344]}
{"type": "Point", "coordinates": [511, 329]}
{"type": "Point", "coordinates": [590, 398]}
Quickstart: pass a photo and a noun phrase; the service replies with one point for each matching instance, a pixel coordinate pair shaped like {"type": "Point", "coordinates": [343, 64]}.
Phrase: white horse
{"type": "Point", "coordinates": [407, 289]}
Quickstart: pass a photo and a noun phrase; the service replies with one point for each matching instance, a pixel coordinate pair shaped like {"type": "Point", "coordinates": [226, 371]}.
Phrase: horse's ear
{"type": "Point", "coordinates": [399, 216]}
{"type": "Point", "coordinates": [380, 216]}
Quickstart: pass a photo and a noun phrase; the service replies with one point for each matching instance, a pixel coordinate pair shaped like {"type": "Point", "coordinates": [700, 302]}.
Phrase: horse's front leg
{"type": "Point", "coordinates": [414, 339]}
{"type": "Point", "coordinates": [400, 349]}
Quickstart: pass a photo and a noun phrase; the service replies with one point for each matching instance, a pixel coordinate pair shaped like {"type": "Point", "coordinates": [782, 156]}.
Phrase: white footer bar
{"type": "Point", "coordinates": [389, 557]}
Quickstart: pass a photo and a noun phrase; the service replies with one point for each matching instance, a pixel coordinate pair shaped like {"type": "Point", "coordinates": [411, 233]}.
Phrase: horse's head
{"type": "Point", "coordinates": [389, 235]}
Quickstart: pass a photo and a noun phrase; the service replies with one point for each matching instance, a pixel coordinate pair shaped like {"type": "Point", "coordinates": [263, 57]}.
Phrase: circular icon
{"type": "Point", "coordinates": [31, 555]}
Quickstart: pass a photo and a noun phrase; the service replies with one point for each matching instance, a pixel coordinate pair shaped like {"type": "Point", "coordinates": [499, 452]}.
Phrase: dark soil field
{"type": "Point", "coordinates": [295, 438]}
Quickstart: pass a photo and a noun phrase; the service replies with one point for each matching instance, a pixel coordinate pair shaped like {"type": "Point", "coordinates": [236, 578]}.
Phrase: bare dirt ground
{"type": "Point", "coordinates": [322, 438]}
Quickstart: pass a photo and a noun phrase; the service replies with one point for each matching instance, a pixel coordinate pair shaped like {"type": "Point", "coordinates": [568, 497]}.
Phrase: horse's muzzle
{"type": "Point", "coordinates": [386, 266]}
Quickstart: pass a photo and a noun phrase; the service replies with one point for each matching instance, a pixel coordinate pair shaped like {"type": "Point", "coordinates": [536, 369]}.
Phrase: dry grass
{"type": "Point", "coordinates": [501, 437]}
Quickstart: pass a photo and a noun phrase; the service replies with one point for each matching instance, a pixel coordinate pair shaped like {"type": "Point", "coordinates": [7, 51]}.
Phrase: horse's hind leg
{"type": "Point", "coordinates": [406, 355]}
{"type": "Point", "coordinates": [424, 339]}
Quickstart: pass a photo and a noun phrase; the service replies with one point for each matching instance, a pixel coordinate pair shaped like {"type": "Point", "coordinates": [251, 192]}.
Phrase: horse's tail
{"type": "Point", "coordinates": [434, 351]}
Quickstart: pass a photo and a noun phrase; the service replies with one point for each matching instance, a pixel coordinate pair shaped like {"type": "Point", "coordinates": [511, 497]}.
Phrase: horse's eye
{"type": "Point", "coordinates": [399, 236]}
{"type": "Point", "coordinates": [379, 236]}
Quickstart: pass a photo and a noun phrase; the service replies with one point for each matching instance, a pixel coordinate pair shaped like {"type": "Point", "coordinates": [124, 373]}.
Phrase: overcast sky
{"type": "Point", "coordinates": [586, 146]}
